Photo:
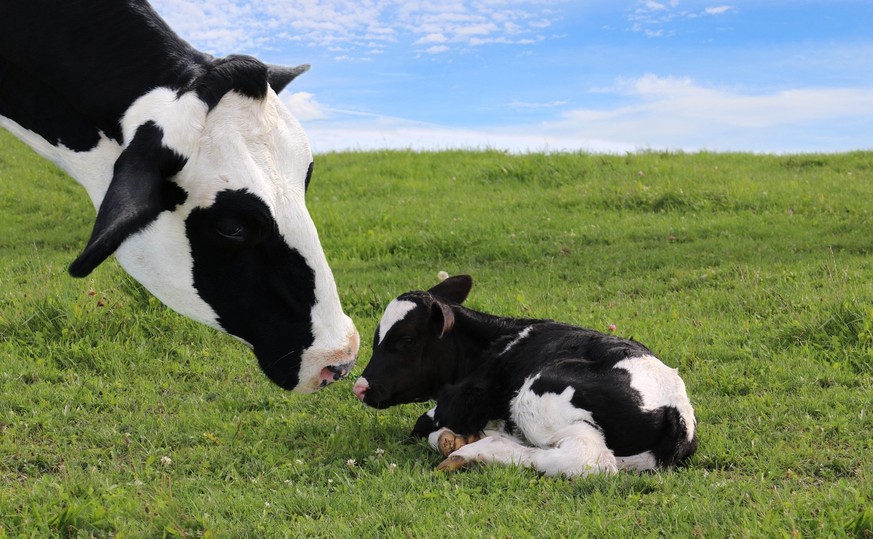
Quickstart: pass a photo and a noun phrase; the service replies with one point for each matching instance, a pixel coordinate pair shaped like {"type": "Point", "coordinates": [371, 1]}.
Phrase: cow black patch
{"type": "Point", "coordinates": [69, 70]}
{"type": "Point", "coordinates": [262, 290]}
{"type": "Point", "coordinates": [308, 177]}
{"type": "Point", "coordinates": [242, 74]}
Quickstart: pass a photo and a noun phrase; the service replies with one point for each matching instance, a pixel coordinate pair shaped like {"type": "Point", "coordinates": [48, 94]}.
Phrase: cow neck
{"type": "Point", "coordinates": [88, 81]}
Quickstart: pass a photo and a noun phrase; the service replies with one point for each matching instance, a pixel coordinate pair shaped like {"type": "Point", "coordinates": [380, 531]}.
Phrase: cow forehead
{"type": "Point", "coordinates": [250, 144]}
{"type": "Point", "coordinates": [394, 312]}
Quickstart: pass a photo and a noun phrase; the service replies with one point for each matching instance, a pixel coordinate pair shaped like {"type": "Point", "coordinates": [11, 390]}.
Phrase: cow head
{"type": "Point", "coordinates": [206, 209]}
{"type": "Point", "coordinates": [412, 358]}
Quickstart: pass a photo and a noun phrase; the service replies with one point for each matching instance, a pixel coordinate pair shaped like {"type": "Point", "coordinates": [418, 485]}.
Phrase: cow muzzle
{"type": "Point", "coordinates": [322, 367]}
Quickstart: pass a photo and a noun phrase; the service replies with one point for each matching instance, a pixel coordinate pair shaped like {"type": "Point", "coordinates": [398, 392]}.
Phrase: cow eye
{"type": "Point", "coordinates": [231, 229]}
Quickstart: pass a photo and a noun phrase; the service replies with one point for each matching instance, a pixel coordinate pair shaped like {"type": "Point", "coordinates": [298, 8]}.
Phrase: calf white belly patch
{"type": "Point", "coordinates": [542, 419]}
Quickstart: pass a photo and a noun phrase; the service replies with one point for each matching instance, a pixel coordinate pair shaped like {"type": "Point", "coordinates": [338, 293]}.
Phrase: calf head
{"type": "Point", "coordinates": [412, 356]}
{"type": "Point", "coordinates": [206, 209]}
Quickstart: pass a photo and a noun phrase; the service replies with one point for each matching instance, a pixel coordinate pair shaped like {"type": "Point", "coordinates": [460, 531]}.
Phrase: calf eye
{"type": "Point", "coordinates": [405, 341]}
{"type": "Point", "coordinates": [231, 229]}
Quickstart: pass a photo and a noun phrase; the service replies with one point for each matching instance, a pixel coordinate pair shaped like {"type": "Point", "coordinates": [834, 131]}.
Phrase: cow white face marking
{"type": "Point", "coordinates": [394, 312]}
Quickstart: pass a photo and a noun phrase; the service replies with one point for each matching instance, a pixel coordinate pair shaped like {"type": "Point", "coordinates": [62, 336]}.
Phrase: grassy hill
{"type": "Point", "coordinates": [752, 274]}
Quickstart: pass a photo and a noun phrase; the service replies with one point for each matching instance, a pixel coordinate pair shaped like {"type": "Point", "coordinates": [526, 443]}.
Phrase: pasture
{"type": "Point", "coordinates": [752, 274]}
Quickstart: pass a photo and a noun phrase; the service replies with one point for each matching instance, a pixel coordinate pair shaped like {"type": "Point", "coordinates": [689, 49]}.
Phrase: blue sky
{"type": "Point", "coordinates": [533, 75]}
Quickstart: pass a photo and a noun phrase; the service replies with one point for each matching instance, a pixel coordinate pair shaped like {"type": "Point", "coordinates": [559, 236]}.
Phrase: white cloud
{"type": "Point", "coordinates": [717, 10]}
{"type": "Point", "coordinates": [432, 38]}
{"type": "Point", "coordinates": [436, 49]}
{"type": "Point", "coordinates": [546, 105]}
{"type": "Point", "coordinates": [228, 26]}
{"type": "Point", "coordinates": [678, 113]}
{"type": "Point", "coordinates": [370, 132]}
{"type": "Point", "coordinates": [304, 107]}
{"type": "Point", "coordinates": [651, 17]}
{"type": "Point", "coordinates": [663, 113]}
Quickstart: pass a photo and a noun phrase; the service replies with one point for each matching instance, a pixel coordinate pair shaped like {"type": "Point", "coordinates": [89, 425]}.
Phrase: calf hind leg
{"type": "Point", "coordinates": [580, 450]}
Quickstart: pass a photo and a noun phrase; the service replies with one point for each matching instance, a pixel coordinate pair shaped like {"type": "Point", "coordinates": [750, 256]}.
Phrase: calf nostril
{"type": "Point", "coordinates": [360, 389]}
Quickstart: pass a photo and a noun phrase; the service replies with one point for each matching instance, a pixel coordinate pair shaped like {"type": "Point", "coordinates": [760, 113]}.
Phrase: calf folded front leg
{"type": "Point", "coordinates": [497, 448]}
{"type": "Point", "coordinates": [446, 442]}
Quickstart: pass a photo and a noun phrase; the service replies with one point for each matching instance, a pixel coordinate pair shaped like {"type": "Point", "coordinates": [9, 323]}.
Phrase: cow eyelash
{"type": "Point", "coordinates": [232, 229]}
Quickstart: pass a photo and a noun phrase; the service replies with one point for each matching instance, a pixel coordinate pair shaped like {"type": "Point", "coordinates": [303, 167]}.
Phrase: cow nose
{"type": "Point", "coordinates": [360, 388]}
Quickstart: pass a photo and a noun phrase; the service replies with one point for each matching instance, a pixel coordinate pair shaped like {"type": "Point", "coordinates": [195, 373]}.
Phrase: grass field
{"type": "Point", "coordinates": [751, 274]}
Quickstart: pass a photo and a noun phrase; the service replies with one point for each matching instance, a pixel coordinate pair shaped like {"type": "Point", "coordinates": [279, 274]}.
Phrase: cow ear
{"type": "Point", "coordinates": [442, 317]}
{"type": "Point", "coordinates": [281, 76]}
{"type": "Point", "coordinates": [454, 289]}
{"type": "Point", "coordinates": [137, 193]}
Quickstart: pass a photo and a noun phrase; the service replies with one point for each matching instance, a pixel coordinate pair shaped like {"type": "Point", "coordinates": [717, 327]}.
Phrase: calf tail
{"type": "Point", "coordinates": [678, 440]}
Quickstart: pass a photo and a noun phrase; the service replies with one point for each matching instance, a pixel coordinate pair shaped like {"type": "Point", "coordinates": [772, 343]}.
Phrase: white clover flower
{"type": "Point", "coordinates": [379, 451]}
{"type": "Point", "coordinates": [351, 463]}
{"type": "Point", "coordinates": [442, 275]}
{"type": "Point", "coordinates": [166, 461]}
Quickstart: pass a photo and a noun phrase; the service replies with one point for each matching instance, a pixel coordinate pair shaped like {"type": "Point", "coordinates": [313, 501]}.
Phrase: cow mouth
{"type": "Point", "coordinates": [333, 373]}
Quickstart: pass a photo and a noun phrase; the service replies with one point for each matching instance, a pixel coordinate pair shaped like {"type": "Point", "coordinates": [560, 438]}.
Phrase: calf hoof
{"type": "Point", "coordinates": [449, 442]}
{"type": "Point", "coordinates": [453, 464]}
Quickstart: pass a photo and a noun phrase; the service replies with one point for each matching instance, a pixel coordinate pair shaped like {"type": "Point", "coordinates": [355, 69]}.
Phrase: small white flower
{"type": "Point", "coordinates": [268, 504]}
{"type": "Point", "coordinates": [166, 461]}
{"type": "Point", "coordinates": [351, 463]}
{"type": "Point", "coordinates": [330, 481]}
{"type": "Point", "coordinates": [442, 276]}
{"type": "Point", "coordinates": [298, 462]}
{"type": "Point", "coordinates": [392, 466]}
{"type": "Point", "coordinates": [379, 451]}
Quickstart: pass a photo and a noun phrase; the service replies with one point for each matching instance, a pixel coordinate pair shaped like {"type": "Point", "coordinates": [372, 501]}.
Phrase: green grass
{"type": "Point", "coordinates": [752, 274]}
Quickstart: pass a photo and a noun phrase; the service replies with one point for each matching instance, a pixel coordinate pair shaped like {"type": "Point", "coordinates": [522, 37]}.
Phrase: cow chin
{"type": "Point", "coordinates": [320, 367]}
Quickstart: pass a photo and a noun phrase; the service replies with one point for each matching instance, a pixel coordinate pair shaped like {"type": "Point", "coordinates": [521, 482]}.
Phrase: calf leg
{"type": "Point", "coordinates": [445, 441]}
{"type": "Point", "coordinates": [448, 442]}
{"type": "Point", "coordinates": [579, 452]}
{"type": "Point", "coordinates": [499, 448]}
{"type": "Point", "coordinates": [637, 463]}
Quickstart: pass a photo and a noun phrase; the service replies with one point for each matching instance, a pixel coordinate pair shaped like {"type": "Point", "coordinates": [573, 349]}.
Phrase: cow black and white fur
{"type": "Point", "coordinates": [197, 170]}
{"type": "Point", "coordinates": [558, 398]}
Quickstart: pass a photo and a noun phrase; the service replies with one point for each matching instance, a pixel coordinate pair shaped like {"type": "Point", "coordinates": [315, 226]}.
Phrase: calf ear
{"type": "Point", "coordinates": [281, 76]}
{"type": "Point", "coordinates": [137, 193]}
{"type": "Point", "coordinates": [442, 317]}
{"type": "Point", "coordinates": [454, 289]}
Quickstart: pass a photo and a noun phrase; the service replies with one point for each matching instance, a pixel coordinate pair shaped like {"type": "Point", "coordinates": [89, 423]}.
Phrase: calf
{"type": "Point", "coordinates": [196, 168]}
{"type": "Point", "coordinates": [538, 393]}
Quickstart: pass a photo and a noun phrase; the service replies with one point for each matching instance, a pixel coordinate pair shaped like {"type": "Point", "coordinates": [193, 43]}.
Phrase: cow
{"type": "Point", "coordinates": [196, 169]}
{"type": "Point", "coordinates": [538, 393]}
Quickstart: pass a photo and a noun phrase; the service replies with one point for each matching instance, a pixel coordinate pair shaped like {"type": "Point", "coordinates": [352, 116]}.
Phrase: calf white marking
{"type": "Point", "coordinates": [659, 385]}
{"type": "Point", "coordinates": [521, 335]}
{"type": "Point", "coordinates": [394, 312]}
